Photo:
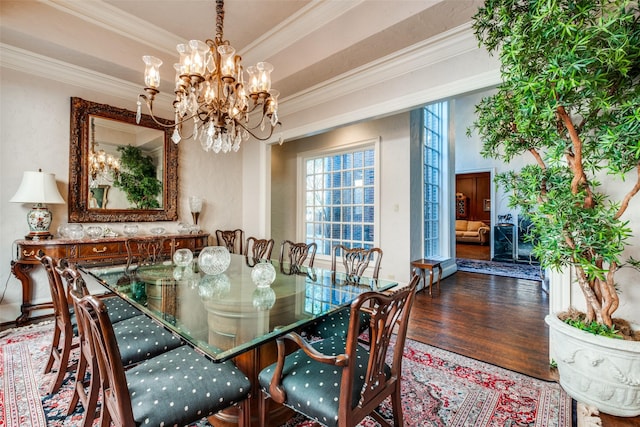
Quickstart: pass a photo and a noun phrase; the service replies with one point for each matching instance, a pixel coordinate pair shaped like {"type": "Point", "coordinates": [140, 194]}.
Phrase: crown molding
{"type": "Point", "coordinates": [393, 105]}
{"type": "Point", "coordinates": [115, 20]}
{"type": "Point", "coordinates": [447, 45]}
{"type": "Point", "coordinates": [43, 66]}
{"type": "Point", "coordinates": [304, 22]}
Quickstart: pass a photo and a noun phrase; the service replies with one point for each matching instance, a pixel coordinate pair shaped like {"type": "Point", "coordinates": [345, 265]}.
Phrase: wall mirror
{"type": "Point", "coordinates": [120, 171]}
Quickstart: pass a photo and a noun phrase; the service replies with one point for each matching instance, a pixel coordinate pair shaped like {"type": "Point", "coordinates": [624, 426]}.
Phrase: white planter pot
{"type": "Point", "coordinates": [599, 371]}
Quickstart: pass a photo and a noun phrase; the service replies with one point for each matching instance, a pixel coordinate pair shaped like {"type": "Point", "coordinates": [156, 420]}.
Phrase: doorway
{"type": "Point", "coordinates": [473, 215]}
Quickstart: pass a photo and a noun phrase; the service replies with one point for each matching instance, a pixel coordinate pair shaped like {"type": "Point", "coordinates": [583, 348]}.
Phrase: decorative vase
{"type": "Point", "coordinates": [263, 274]}
{"type": "Point", "coordinates": [214, 259]}
{"type": "Point", "coordinates": [183, 257]}
{"type": "Point", "coordinates": [595, 370]}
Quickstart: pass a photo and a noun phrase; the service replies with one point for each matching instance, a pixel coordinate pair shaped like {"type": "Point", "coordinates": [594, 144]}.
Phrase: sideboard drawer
{"type": "Point", "coordinates": [29, 253]}
{"type": "Point", "coordinates": [99, 250]}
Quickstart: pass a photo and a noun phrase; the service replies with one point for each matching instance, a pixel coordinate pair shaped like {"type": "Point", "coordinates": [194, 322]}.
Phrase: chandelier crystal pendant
{"type": "Point", "coordinates": [101, 165]}
{"type": "Point", "coordinates": [211, 92]}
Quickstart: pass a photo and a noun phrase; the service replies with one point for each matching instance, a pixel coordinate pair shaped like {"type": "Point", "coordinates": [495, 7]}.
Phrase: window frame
{"type": "Point", "coordinates": [442, 137]}
{"type": "Point", "coordinates": [350, 147]}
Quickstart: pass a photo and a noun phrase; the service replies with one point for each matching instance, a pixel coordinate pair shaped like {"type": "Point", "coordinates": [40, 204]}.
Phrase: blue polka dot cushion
{"type": "Point", "coordinates": [182, 386]}
{"type": "Point", "coordinates": [140, 338]}
{"type": "Point", "coordinates": [313, 388]}
{"type": "Point", "coordinates": [119, 309]}
{"type": "Point", "coordinates": [336, 324]}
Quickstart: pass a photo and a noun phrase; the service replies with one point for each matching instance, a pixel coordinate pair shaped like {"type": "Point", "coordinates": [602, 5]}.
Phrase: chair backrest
{"type": "Point", "coordinates": [92, 314]}
{"type": "Point", "coordinates": [231, 239]}
{"type": "Point", "coordinates": [356, 260]}
{"type": "Point", "coordinates": [146, 251]}
{"type": "Point", "coordinates": [388, 312]}
{"type": "Point", "coordinates": [258, 248]}
{"type": "Point", "coordinates": [61, 301]}
{"type": "Point", "coordinates": [295, 254]}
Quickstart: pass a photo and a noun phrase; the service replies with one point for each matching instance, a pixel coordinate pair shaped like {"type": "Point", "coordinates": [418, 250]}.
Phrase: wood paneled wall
{"type": "Point", "coordinates": [477, 187]}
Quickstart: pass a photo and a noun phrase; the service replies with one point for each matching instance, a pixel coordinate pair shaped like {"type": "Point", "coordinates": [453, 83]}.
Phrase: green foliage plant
{"type": "Point", "coordinates": [138, 178]}
{"type": "Point", "coordinates": [570, 99]}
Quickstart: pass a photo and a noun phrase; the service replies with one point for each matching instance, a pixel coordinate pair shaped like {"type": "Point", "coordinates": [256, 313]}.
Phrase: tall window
{"type": "Point", "coordinates": [339, 198]}
{"type": "Point", "coordinates": [434, 136]}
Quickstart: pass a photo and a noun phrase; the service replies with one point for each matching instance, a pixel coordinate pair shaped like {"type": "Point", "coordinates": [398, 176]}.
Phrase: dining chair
{"type": "Point", "coordinates": [354, 262]}
{"type": "Point", "coordinates": [178, 387]}
{"type": "Point", "coordinates": [65, 326]}
{"type": "Point", "coordinates": [231, 239]}
{"type": "Point", "coordinates": [295, 254]}
{"type": "Point", "coordinates": [146, 251]}
{"type": "Point", "coordinates": [256, 249]}
{"type": "Point", "coordinates": [337, 381]}
{"type": "Point", "coordinates": [138, 338]}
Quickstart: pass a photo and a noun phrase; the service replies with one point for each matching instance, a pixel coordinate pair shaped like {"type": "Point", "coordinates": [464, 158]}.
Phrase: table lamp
{"type": "Point", "coordinates": [38, 188]}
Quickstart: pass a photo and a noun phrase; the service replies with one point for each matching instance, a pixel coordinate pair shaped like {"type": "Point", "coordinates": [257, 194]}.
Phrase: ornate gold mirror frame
{"type": "Point", "coordinates": [80, 208]}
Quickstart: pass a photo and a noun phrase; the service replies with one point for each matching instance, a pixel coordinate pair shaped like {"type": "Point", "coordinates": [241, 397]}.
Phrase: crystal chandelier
{"type": "Point", "coordinates": [101, 164]}
{"type": "Point", "coordinates": [212, 93]}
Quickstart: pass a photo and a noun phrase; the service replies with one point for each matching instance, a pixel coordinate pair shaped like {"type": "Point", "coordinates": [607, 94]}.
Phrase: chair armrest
{"type": "Point", "coordinates": [483, 230]}
{"type": "Point", "coordinates": [275, 387]}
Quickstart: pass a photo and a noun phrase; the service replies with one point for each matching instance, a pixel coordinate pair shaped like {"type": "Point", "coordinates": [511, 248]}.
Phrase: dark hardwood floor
{"type": "Point", "coordinates": [473, 251]}
{"type": "Point", "coordinates": [498, 320]}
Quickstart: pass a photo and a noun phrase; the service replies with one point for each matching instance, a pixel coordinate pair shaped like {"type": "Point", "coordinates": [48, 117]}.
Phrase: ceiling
{"type": "Point", "coordinates": [309, 42]}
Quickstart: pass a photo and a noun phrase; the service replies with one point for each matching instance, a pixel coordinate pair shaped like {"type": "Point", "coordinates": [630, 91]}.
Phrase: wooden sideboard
{"type": "Point", "coordinates": [108, 249]}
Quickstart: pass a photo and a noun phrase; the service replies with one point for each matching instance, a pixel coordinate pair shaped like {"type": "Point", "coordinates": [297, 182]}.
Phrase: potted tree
{"type": "Point", "coordinates": [570, 98]}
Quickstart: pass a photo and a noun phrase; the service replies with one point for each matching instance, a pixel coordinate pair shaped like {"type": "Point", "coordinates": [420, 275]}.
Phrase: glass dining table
{"type": "Point", "coordinates": [226, 316]}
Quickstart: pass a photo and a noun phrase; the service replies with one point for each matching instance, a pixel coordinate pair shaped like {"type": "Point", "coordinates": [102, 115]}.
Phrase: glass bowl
{"type": "Point", "coordinates": [130, 230]}
{"type": "Point", "coordinates": [94, 231]}
{"type": "Point", "coordinates": [157, 230]}
{"type": "Point", "coordinates": [183, 257]}
{"type": "Point", "coordinates": [263, 274]}
{"type": "Point", "coordinates": [214, 259]}
{"type": "Point", "coordinates": [74, 231]}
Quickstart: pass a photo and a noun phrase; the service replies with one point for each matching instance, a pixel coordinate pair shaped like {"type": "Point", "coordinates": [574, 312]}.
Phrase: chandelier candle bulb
{"type": "Point", "coordinates": [226, 60]}
{"type": "Point", "coordinates": [152, 71]}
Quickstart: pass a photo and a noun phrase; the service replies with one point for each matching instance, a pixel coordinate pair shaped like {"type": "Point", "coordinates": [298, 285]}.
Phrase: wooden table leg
{"type": "Point", "coordinates": [21, 272]}
{"type": "Point", "coordinates": [251, 363]}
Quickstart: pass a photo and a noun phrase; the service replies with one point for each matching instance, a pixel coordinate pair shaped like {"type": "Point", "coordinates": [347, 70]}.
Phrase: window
{"type": "Point", "coordinates": [340, 193]}
{"type": "Point", "coordinates": [434, 128]}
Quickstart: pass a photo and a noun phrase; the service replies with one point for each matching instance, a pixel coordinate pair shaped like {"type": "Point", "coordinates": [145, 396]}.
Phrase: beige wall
{"type": "Point", "coordinates": [394, 237]}
{"type": "Point", "coordinates": [34, 134]}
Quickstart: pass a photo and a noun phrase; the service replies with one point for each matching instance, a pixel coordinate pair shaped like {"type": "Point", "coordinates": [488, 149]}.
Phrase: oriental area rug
{"type": "Point", "coordinates": [439, 388]}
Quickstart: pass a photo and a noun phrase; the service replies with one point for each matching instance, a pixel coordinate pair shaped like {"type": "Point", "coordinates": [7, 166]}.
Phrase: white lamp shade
{"type": "Point", "coordinates": [37, 187]}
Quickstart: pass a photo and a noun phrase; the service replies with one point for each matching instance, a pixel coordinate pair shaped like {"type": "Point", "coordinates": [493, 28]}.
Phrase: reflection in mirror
{"type": "Point", "coordinates": [133, 181]}
{"type": "Point", "coordinates": [120, 171]}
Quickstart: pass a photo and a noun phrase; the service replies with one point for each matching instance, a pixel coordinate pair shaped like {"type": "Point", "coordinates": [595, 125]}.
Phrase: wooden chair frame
{"type": "Point", "coordinates": [387, 312]}
{"type": "Point", "coordinates": [356, 260]}
{"type": "Point", "coordinates": [62, 342]}
{"type": "Point", "coordinates": [145, 251]}
{"type": "Point", "coordinates": [296, 255]}
{"type": "Point", "coordinates": [231, 239]}
{"type": "Point", "coordinates": [257, 249]}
